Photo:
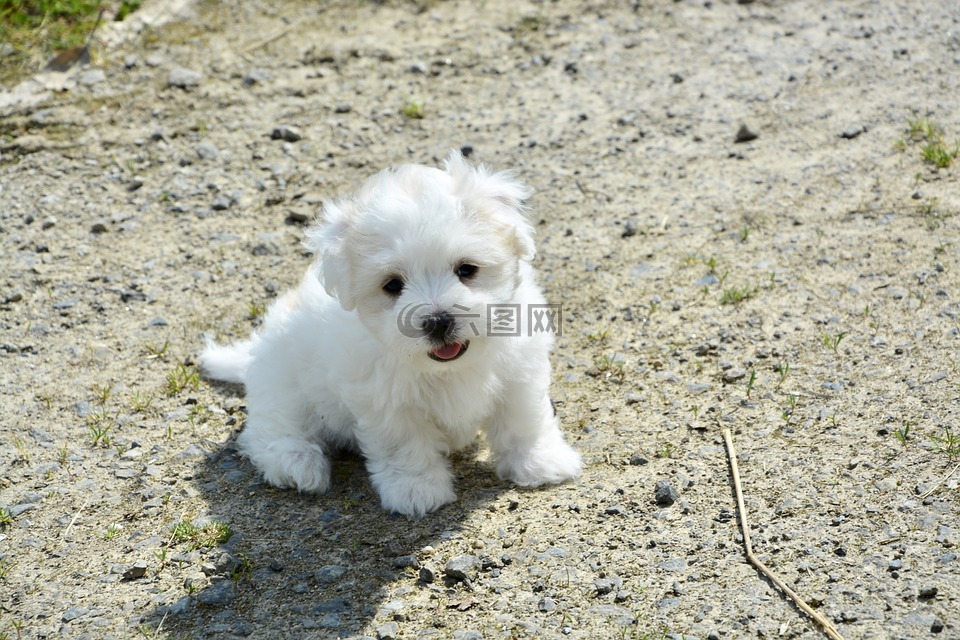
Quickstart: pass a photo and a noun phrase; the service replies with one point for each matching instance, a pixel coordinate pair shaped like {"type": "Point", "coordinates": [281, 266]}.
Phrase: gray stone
{"type": "Point", "coordinates": [852, 132]}
{"type": "Point", "coordinates": [286, 133]}
{"type": "Point", "coordinates": [673, 564]}
{"type": "Point", "coordinates": [220, 204]}
{"type": "Point", "coordinates": [328, 574]}
{"type": "Point", "coordinates": [218, 594]}
{"type": "Point", "coordinates": [184, 78]}
{"type": "Point", "coordinates": [193, 451]}
{"type": "Point", "coordinates": [388, 631]}
{"type": "Point", "coordinates": [427, 574]}
{"type": "Point", "coordinates": [638, 459]}
{"type": "Point", "coordinates": [607, 585]}
{"type": "Point", "coordinates": [465, 567]}
{"type": "Point", "coordinates": [207, 151]}
{"type": "Point", "coordinates": [329, 621]}
{"type": "Point", "coordinates": [665, 494]}
{"type": "Point", "coordinates": [336, 605]}
{"type": "Point", "coordinates": [137, 570]}
{"type": "Point", "coordinates": [927, 592]}
{"type": "Point", "coordinates": [733, 374]}
{"type": "Point", "coordinates": [406, 562]}
{"type": "Point", "coordinates": [256, 76]}
{"type": "Point", "coordinates": [73, 613]}
{"type": "Point", "coordinates": [746, 133]}
{"type": "Point", "coordinates": [91, 77]}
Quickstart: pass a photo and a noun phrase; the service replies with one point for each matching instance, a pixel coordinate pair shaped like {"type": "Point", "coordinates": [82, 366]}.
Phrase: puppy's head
{"type": "Point", "coordinates": [423, 253]}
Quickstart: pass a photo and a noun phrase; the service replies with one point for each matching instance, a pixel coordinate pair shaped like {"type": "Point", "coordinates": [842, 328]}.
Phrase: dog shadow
{"type": "Point", "coordinates": [294, 565]}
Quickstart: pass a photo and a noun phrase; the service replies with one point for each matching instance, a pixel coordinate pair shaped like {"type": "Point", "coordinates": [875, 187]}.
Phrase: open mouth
{"type": "Point", "coordinates": [449, 352]}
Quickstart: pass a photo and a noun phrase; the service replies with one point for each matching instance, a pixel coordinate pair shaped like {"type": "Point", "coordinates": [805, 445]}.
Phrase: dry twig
{"type": "Point", "coordinates": [265, 41]}
{"type": "Point", "coordinates": [937, 486]}
{"type": "Point", "coordinates": [66, 531]}
{"type": "Point", "coordinates": [762, 568]}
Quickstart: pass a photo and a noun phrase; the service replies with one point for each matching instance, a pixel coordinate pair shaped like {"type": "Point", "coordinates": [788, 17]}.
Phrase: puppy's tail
{"type": "Point", "coordinates": [227, 362]}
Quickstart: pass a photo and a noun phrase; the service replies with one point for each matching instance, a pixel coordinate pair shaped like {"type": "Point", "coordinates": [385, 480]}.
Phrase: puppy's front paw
{"type": "Point", "coordinates": [291, 463]}
{"type": "Point", "coordinates": [549, 461]}
{"type": "Point", "coordinates": [414, 495]}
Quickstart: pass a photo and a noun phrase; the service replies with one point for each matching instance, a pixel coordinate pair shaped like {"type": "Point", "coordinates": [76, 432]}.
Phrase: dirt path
{"type": "Point", "coordinates": [801, 288]}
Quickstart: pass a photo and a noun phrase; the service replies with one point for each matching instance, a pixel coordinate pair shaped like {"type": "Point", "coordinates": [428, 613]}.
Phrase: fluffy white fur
{"type": "Point", "coordinates": [332, 368]}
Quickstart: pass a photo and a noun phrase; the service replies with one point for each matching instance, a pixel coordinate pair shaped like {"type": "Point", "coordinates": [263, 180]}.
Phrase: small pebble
{"type": "Point", "coordinates": [388, 631]}
{"type": "Point", "coordinates": [329, 574]}
{"type": "Point", "coordinates": [256, 76]}
{"type": "Point", "coordinates": [218, 594]}
{"type": "Point", "coordinates": [745, 134]}
{"type": "Point", "coordinates": [207, 151]}
{"type": "Point", "coordinates": [664, 493]}
{"type": "Point", "coordinates": [73, 613]}
{"type": "Point", "coordinates": [465, 567]}
{"type": "Point", "coordinates": [604, 586]}
{"type": "Point", "coordinates": [286, 133]}
{"type": "Point", "coordinates": [927, 592]}
{"type": "Point", "coordinates": [406, 562]}
{"type": "Point", "coordinates": [733, 374]}
{"type": "Point", "coordinates": [183, 78]}
{"type": "Point", "coordinates": [852, 132]}
{"type": "Point", "coordinates": [639, 459]}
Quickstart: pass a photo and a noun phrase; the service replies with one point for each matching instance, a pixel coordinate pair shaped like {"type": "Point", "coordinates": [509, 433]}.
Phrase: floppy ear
{"type": "Point", "coordinates": [325, 238]}
{"type": "Point", "coordinates": [499, 195]}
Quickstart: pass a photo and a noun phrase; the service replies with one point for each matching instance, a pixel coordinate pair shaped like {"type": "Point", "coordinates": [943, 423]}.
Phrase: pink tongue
{"type": "Point", "coordinates": [447, 351]}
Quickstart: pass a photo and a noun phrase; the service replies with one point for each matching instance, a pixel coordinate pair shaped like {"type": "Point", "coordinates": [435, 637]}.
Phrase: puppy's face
{"type": "Point", "coordinates": [422, 254]}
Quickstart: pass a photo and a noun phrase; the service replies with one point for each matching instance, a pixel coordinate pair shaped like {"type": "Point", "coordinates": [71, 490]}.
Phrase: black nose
{"type": "Point", "coordinates": [437, 326]}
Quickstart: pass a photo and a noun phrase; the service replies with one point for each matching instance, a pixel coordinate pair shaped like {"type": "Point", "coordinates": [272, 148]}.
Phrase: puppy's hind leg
{"type": "Point", "coordinates": [284, 456]}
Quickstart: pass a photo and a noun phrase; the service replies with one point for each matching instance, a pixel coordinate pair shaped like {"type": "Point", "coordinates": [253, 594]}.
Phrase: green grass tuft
{"type": "Point", "coordinates": [736, 295]}
{"type": "Point", "coordinates": [182, 377]}
{"type": "Point", "coordinates": [209, 535]}
{"type": "Point", "coordinates": [935, 149]}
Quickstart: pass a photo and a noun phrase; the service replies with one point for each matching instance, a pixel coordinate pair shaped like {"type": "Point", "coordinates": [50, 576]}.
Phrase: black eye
{"type": "Point", "coordinates": [393, 286]}
{"type": "Point", "coordinates": [467, 271]}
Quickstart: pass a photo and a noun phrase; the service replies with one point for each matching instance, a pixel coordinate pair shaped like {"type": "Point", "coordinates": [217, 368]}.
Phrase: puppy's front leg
{"type": "Point", "coordinates": [407, 462]}
{"type": "Point", "coordinates": [526, 440]}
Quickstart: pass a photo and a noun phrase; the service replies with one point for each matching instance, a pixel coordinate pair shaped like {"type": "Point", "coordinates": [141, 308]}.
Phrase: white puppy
{"type": "Point", "coordinates": [390, 344]}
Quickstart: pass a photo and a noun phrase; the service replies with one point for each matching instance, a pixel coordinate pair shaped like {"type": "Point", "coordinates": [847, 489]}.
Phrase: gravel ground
{"type": "Point", "coordinates": [732, 210]}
